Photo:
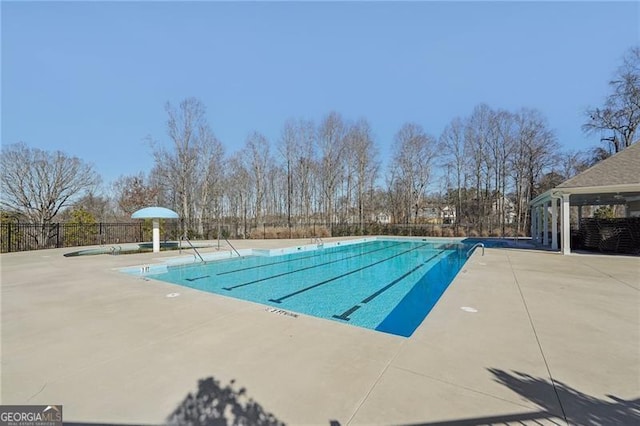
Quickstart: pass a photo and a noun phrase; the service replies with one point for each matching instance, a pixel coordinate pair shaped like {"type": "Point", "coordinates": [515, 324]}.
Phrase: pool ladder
{"type": "Point", "coordinates": [317, 240]}
{"type": "Point", "coordinates": [474, 247]}
{"type": "Point", "coordinates": [234, 249]}
{"type": "Point", "coordinates": [185, 238]}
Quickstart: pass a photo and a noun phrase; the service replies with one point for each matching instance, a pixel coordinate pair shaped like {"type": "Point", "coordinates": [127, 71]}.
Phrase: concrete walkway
{"type": "Point", "coordinates": [553, 338]}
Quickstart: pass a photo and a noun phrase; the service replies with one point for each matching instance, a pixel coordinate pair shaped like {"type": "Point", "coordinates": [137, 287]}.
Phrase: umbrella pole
{"type": "Point", "coordinates": [156, 236]}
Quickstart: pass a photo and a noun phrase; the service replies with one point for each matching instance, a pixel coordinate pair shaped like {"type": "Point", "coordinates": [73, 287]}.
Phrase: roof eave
{"type": "Point", "coordinates": [604, 189]}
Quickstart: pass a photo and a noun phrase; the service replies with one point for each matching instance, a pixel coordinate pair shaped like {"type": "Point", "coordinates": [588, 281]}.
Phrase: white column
{"type": "Point", "coordinates": [545, 224]}
{"type": "Point", "coordinates": [156, 236]}
{"type": "Point", "coordinates": [554, 224]}
{"type": "Point", "coordinates": [565, 225]}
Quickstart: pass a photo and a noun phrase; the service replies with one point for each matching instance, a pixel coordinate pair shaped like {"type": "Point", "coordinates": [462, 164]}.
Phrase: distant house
{"type": "Point", "coordinates": [383, 218]}
{"type": "Point", "coordinates": [437, 214]}
{"type": "Point", "coordinates": [509, 209]}
{"type": "Point", "coordinates": [448, 215]}
{"type": "Point", "coordinates": [429, 214]}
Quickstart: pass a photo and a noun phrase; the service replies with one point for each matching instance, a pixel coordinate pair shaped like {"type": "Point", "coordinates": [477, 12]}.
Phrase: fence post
{"type": "Point", "coordinates": [9, 237]}
{"type": "Point", "coordinates": [57, 235]}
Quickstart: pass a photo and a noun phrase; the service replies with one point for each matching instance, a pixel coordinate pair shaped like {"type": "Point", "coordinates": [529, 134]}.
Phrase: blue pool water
{"type": "Point", "coordinates": [389, 286]}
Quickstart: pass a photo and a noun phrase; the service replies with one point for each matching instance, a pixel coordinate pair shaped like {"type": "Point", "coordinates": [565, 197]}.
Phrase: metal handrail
{"type": "Point", "coordinates": [476, 245]}
{"type": "Point", "coordinates": [184, 237]}
{"type": "Point", "coordinates": [234, 249]}
{"type": "Point", "coordinates": [317, 240]}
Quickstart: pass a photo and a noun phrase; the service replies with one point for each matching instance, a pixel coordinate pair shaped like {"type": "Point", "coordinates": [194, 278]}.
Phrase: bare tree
{"type": "Point", "coordinates": [257, 160]}
{"type": "Point", "coordinates": [288, 148]}
{"type": "Point", "coordinates": [618, 120]}
{"type": "Point", "coordinates": [306, 170]}
{"type": "Point", "coordinates": [210, 176]}
{"type": "Point", "coordinates": [133, 193]}
{"type": "Point", "coordinates": [38, 184]}
{"type": "Point", "coordinates": [396, 196]}
{"type": "Point", "coordinates": [477, 135]}
{"type": "Point", "coordinates": [571, 163]}
{"type": "Point", "coordinates": [192, 156]}
{"type": "Point", "coordinates": [297, 154]}
{"type": "Point", "coordinates": [177, 166]}
{"type": "Point", "coordinates": [535, 154]}
{"type": "Point", "coordinates": [98, 206]}
{"type": "Point", "coordinates": [331, 146]}
{"type": "Point", "coordinates": [502, 144]}
{"type": "Point", "coordinates": [276, 193]}
{"type": "Point", "coordinates": [453, 142]}
{"type": "Point", "coordinates": [239, 198]}
{"type": "Point", "coordinates": [362, 165]}
{"type": "Point", "coordinates": [414, 152]}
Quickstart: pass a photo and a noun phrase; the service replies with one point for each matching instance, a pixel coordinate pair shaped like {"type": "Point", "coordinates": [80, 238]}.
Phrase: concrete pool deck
{"type": "Point", "coordinates": [554, 338]}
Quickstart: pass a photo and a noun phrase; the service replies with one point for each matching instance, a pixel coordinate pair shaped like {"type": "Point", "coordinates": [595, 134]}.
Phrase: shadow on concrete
{"type": "Point", "coordinates": [214, 405]}
{"type": "Point", "coordinates": [577, 407]}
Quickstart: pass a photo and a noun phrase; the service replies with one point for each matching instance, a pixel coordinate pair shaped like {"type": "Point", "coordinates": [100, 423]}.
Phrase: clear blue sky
{"type": "Point", "coordinates": [91, 79]}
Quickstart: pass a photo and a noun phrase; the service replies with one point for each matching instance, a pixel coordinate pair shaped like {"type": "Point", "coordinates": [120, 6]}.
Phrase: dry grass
{"type": "Point", "coordinates": [283, 232]}
{"type": "Point", "coordinates": [447, 232]}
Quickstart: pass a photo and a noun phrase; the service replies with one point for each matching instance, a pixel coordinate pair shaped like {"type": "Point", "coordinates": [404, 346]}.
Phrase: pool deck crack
{"type": "Point", "coordinates": [609, 276]}
{"type": "Point", "coordinates": [37, 393]}
{"type": "Point", "coordinates": [535, 333]}
{"type": "Point", "coordinates": [426, 376]}
{"type": "Point", "coordinates": [375, 383]}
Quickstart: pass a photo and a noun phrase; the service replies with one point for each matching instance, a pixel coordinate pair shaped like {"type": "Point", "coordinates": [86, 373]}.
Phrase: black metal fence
{"type": "Point", "coordinates": [27, 236]}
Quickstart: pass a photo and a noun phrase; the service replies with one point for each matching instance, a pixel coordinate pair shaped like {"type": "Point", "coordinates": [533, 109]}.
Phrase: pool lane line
{"type": "Point", "coordinates": [345, 315]}
{"type": "Point", "coordinates": [282, 261]}
{"type": "Point", "coordinates": [197, 278]}
{"type": "Point", "coordinates": [311, 287]}
{"type": "Point", "coordinates": [308, 267]}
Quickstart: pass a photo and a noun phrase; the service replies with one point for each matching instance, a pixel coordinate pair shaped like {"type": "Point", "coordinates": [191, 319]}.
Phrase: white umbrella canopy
{"type": "Point", "coordinates": [155, 213]}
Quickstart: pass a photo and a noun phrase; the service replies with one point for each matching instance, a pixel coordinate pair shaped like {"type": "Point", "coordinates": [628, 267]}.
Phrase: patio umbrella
{"type": "Point", "coordinates": [155, 213]}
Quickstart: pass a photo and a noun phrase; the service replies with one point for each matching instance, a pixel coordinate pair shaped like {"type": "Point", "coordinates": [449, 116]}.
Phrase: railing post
{"type": "Point", "coordinates": [9, 237]}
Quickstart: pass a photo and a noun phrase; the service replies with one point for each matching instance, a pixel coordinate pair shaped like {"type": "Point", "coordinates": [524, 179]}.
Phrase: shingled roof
{"type": "Point", "coordinates": [623, 168]}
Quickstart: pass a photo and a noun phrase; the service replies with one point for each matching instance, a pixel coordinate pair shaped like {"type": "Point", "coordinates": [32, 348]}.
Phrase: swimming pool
{"type": "Point", "coordinates": [384, 285]}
